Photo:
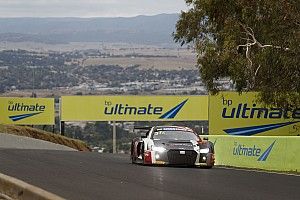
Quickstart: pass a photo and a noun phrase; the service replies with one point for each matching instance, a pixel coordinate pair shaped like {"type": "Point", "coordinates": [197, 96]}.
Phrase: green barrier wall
{"type": "Point", "coordinates": [259, 152]}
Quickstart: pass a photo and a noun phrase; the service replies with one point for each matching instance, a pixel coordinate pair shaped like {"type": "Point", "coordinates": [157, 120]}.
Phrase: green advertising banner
{"type": "Point", "coordinates": [264, 152]}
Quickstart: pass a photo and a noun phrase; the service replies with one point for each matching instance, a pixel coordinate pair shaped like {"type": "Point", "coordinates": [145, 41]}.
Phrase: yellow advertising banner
{"type": "Point", "coordinates": [259, 152]}
{"type": "Point", "coordinates": [134, 108]}
{"type": "Point", "coordinates": [27, 111]}
{"type": "Point", "coordinates": [241, 115]}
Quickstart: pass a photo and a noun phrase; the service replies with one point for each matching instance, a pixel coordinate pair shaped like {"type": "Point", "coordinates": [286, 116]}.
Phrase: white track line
{"type": "Point", "coordinates": [258, 171]}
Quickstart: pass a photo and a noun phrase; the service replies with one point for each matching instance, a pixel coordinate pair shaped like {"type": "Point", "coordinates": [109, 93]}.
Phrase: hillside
{"type": "Point", "coordinates": [43, 135]}
{"type": "Point", "coordinates": [141, 29]}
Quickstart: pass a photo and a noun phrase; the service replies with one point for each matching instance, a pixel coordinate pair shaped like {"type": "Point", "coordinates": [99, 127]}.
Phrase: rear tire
{"type": "Point", "coordinates": [142, 152]}
{"type": "Point", "coordinates": [132, 157]}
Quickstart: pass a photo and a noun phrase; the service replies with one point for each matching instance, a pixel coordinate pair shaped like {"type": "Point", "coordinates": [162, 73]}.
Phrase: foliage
{"type": "Point", "coordinates": [253, 43]}
{"type": "Point", "coordinates": [100, 134]}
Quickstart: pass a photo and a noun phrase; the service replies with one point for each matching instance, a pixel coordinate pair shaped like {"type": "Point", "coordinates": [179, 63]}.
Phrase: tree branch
{"type": "Point", "coordinates": [256, 71]}
{"type": "Point", "coordinates": [252, 41]}
{"type": "Point", "coordinates": [249, 32]}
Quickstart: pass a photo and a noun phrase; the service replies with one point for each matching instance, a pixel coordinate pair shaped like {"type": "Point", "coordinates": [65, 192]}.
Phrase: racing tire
{"type": "Point", "coordinates": [132, 157]}
{"type": "Point", "coordinates": [143, 152]}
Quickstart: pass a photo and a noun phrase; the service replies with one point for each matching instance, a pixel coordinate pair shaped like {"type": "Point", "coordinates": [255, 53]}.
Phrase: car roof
{"type": "Point", "coordinates": [174, 128]}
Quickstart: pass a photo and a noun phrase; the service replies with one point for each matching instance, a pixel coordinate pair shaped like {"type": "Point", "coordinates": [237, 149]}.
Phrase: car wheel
{"type": "Point", "coordinates": [133, 159]}
{"type": "Point", "coordinates": [132, 156]}
{"type": "Point", "coordinates": [143, 153]}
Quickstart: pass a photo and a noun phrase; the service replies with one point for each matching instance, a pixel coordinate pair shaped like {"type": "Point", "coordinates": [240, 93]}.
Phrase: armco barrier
{"type": "Point", "coordinates": [260, 152]}
{"type": "Point", "coordinates": [18, 190]}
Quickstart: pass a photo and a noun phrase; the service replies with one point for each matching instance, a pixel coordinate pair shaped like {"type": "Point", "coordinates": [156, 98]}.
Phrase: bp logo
{"type": "Point", "coordinates": [173, 112]}
{"type": "Point", "coordinates": [253, 111]}
{"type": "Point", "coordinates": [28, 110]}
{"type": "Point", "coordinates": [126, 109]}
{"type": "Point", "coordinates": [252, 151]}
{"type": "Point", "coordinates": [252, 130]}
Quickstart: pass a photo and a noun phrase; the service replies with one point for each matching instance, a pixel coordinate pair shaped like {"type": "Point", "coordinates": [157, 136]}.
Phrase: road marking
{"type": "Point", "coordinates": [258, 171]}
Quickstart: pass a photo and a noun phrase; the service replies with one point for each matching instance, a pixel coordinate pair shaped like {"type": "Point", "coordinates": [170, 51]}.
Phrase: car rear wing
{"type": "Point", "coordinates": [142, 128]}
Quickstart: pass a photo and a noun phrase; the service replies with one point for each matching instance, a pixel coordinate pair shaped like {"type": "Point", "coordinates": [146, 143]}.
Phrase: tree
{"type": "Point", "coordinates": [255, 44]}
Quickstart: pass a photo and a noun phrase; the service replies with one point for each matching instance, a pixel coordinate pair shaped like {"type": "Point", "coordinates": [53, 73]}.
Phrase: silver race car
{"type": "Point", "coordinates": [172, 145]}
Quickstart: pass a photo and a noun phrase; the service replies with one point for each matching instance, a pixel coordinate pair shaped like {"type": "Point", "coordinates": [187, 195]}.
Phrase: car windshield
{"type": "Point", "coordinates": [174, 135]}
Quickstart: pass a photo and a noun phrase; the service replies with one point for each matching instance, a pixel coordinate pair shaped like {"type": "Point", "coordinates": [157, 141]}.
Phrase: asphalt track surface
{"type": "Point", "coordinates": [89, 176]}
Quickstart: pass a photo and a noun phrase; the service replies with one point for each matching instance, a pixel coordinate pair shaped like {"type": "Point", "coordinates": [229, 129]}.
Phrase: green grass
{"type": "Point", "coordinates": [43, 135]}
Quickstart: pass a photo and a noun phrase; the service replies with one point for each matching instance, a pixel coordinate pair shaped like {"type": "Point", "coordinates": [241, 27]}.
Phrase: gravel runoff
{"type": "Point", "coordinates": [9, 141]}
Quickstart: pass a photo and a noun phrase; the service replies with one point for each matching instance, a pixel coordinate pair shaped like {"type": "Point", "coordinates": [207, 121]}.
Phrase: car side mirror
{"type": "Point", "coordinates": [205, 138]}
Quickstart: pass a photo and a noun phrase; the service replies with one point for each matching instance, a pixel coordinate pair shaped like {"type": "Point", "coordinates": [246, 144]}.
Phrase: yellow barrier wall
{"type": "Point", "coordinates": [265, 152]}
{"type": "Point", "coordinates": [134, 108]}
{"type": "Point", "coordinates": [234, 114]}
{"type": "Point", "coordinates": [27, 111]}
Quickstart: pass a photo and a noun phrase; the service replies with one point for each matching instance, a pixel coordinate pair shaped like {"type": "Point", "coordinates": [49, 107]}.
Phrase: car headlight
{"type": "Point", "coordinates": [158, 149]}
{"type": "Point", "coordinates": [206, 150]}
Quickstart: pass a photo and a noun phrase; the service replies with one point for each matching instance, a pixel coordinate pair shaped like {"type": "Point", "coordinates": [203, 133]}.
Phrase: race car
{"type": "Point", "coordinates": [171, 145]}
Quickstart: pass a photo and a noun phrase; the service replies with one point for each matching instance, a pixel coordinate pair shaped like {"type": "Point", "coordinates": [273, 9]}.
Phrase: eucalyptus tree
{"type": "Point", "coordinates": [254, 43]}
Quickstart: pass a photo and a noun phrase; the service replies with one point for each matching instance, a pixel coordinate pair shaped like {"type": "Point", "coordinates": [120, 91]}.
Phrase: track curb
{"type": "Point", "coordinates": [19, 190]}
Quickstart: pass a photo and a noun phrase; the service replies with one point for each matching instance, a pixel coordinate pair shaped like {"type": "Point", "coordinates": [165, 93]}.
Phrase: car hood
{"type": "Point", "coordinates": [176, 144]}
